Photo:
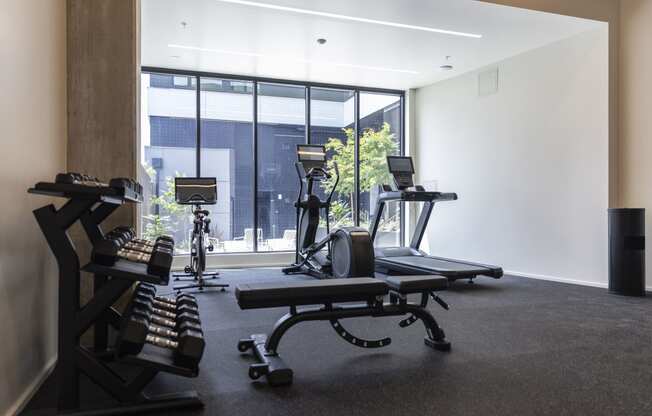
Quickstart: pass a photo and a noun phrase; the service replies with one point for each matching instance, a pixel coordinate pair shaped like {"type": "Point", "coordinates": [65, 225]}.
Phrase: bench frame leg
{"type": "Point", "coordinates": [269, 363]}
{"type": "Point", "coordinates": [278, 373]}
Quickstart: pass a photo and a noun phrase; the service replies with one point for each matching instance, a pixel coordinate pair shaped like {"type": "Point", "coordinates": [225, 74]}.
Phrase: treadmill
{"type": "Point", "coordinates": [410, 260]}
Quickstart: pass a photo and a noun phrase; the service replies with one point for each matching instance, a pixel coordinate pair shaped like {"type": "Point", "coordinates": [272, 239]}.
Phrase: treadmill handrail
{"type": "Point", "coordinates": [408, 195]}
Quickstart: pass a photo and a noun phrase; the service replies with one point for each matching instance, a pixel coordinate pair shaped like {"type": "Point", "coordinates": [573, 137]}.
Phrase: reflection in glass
{"type": "Point", "coordinates": [380, 130]}
{"type": "Point", "coordinates": [281, 126]}
{"type": "Point", "coordinates": [332, 123]}
{"type": "Point", "coordinates": [226, 153]}
{"type": "Point", "coordinates": [168, 149]}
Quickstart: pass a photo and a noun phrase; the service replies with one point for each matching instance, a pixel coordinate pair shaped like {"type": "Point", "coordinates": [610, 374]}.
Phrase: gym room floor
{"type": "Point", "coordinates": [519, 347]}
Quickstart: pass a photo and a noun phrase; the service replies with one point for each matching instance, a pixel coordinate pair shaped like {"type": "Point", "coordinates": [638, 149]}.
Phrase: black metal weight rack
{"type": "Point", "coordinates": [91, 205]}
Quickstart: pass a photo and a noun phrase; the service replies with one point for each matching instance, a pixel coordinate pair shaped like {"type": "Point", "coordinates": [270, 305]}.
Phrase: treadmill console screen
{"type": "Point", "coordinates": [195, 191]}
{"type": "Point", "coordinates": [402, 169]}
{"type": "Point", "coordinates": [311, 156]}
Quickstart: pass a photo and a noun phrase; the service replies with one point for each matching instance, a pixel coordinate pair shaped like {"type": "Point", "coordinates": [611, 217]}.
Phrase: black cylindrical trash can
{"type": "Point", "coordinates": [627, 251]}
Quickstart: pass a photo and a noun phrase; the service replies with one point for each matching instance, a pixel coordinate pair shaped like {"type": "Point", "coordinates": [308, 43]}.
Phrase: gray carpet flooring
{"type": "Point", "coordinates": [519, 347]}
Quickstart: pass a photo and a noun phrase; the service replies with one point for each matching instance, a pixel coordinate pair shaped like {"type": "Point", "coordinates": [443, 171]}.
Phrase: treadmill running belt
{"type": "Point", "coordinates": [435, 266]}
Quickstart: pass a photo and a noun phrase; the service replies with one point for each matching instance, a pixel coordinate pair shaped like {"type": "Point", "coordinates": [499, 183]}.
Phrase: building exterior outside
{"type": "Point", "coordinates": [169, 148]}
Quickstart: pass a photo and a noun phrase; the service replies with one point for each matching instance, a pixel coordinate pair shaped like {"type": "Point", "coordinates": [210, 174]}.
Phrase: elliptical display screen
{"type": "Point", "coordinates": [311, 156]}
{"type": "Point", "coordinates": [311, 153]}
{"type": "Point", "coordinates": [195, 191]}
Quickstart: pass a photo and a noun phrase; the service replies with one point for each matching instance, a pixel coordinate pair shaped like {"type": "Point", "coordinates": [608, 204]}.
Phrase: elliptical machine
{"type": "Point", "coordinates": [349, 250]}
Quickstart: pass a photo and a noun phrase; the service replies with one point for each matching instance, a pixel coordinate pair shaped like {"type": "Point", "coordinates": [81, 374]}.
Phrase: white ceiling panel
{"type": "Point", "coordinates": [397, 44]}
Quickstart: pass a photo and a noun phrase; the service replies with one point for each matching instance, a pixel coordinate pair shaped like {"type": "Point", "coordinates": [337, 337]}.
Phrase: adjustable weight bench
{"type": "Point", "coordinates": [368, 292]}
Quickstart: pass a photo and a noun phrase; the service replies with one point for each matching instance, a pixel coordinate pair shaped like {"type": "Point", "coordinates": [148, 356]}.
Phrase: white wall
{"type": "Point", "coordinates": [33, 120]}
{"type": "Point", "coordinates": [529, 163]}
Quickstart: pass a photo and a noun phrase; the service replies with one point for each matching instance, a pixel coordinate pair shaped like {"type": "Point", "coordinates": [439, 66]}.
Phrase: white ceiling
{"type": "Point", "coordinates": [235, 38]}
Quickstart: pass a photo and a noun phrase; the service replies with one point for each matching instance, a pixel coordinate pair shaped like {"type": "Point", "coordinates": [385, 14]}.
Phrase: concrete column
{"type": "Point", "coordinates": [103, 41]}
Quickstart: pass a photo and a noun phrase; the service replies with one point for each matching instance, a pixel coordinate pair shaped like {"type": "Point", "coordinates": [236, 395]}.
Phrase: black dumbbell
{"type": "Point", "coordinates": [74, 178]}
{"type": "Point", "coordinates": [129, 234]}
{"type": "Point", "coordinates": [150, 290]}
{"type": "Point", "coordinates": [181, 323]}
{"type": "Point", "coordinates": [124, 241]}
{"type": "Point", "coordinates": [186, 312]}
{"type": "Point", "coordinates": [188, 345]}
{"type": "Point", "coordinates": [163, 310]}
{"type": "Point", "coordinates": [183, 305]}
{"type": "Point", "coordinates": [146, 248]}
{"type": "Point", "coordinates": [126, 183]}
{"type": "Point", "coordinates": [126, 237]}
{"type": "Point", "coordinates": [132, 234]}
{"type": "Point", "coordinates": [144, 304]}
{"type": "Point", "coordinates": [163, 331]}
{"type": "Point", "coordinates": [107, 252]}
{"type": "Point", "coordinates": [158, 262]}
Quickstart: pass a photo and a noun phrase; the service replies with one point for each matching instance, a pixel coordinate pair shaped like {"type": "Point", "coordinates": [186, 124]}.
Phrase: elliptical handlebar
{"type": "Point", "coordinates": [318, 172]}
{"type": "Point", "coordinates": [337, 180]}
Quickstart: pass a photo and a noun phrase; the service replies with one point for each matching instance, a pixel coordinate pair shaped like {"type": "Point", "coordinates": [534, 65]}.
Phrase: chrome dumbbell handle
{"type": "Point", "coordinates": [164, 313]}
{"type": "Point", "coordinates": [162, 321]}
{"type": "Point", "coordinates": [161, 342]}
{"type": "Point", "coordinates": [163, 331]}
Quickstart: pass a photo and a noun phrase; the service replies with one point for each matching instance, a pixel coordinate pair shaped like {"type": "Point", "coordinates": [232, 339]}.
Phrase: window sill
{"type": "Point", "coordinates": [239, 260]}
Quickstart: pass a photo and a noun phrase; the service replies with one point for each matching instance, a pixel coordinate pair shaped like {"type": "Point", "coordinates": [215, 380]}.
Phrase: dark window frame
{"type": "Point", "coordinates": [198, 75]}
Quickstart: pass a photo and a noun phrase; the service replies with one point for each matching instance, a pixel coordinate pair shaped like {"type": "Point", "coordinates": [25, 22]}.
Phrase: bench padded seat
{"type": "Point", "coordinates": [416, 284]}
{"type": "Point", "coordinates": [308, 292]}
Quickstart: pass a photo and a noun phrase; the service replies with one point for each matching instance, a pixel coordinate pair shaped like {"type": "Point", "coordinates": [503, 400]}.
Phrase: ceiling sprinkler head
{"type": "Point", "coordinates": [321, 41]}
{"type": "Point", "coordinates": [446, 67]}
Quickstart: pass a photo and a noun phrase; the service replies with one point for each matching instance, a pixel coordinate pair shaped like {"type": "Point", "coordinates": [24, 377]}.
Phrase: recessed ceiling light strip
{"type": "Point", "coordinates": [197, 48]}
{"type": "Point", "coordinates": [351, 18]}
{"type": "Point", "coordinates": [285, 59]}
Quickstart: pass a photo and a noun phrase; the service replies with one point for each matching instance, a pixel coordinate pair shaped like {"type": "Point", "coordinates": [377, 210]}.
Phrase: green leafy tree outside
{"type": "Point", "coordinates": [171, 217]}
{"type": "Point", "coordinates": [375, 145]}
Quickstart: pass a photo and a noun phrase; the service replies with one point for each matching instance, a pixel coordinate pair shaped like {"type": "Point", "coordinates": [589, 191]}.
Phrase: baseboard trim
{"type": "Point", "coordinates": [562, 280]}
{"type": "Point", "coordinates": [33, 387]}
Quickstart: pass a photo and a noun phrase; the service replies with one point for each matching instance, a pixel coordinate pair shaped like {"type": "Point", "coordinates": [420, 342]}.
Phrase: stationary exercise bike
{"type": "Point", "coordinates": [349, 250]}
{"type": "Point", "coordinates": [197, 192]}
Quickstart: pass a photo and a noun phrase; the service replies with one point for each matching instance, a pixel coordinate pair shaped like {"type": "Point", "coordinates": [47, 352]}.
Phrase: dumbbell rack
{"type": "Point", "coordinates": [91, 205]}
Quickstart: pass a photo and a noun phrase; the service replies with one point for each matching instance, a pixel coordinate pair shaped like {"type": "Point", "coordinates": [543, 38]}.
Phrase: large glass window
{"type": "Point", "coordinates": [226, 152]}
{"type": "Point", "coordinates": [168, 149]}
{"type": "Point", "coordinates": [379, 136]}
{"type": "Point", "coordinates": [246, 136]}
{"type": "Point", "coordinates": [281, 126]}
{"type": "Point", "coordinates": [332, 123]}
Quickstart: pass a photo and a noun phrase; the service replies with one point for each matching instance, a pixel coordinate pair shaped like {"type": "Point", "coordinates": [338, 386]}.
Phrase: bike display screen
{"type": "Point", "coordinates": [195, 191]}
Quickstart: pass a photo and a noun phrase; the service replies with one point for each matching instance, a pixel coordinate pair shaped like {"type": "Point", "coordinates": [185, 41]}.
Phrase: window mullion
{"type": "Point", "coordinates": [356, 158]}
{"type": "Point", "coordinates": [255, 137]}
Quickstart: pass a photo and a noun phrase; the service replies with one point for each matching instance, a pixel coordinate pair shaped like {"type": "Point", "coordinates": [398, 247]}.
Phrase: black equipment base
{"type": "Point", "coordinates": [304, 269]}
{"type": "Point", "coordinates": [200, 286]}
{"type": "Point", "coordinates": [270, 364]}
{"type": "Point", "coordinates": [187, 277]}
{"type": "Point", "coordinates": [195, 283]}
{"type": "Point", "coordinates": [182, 400]}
